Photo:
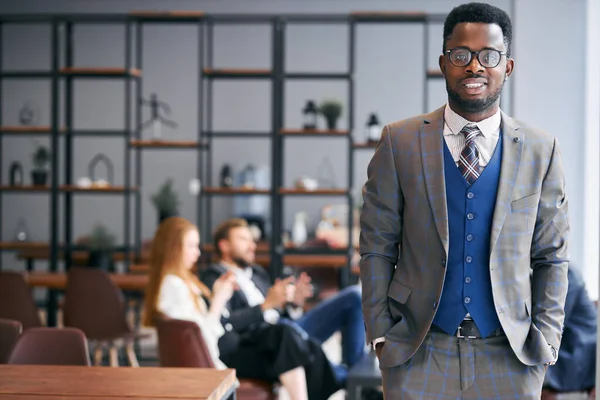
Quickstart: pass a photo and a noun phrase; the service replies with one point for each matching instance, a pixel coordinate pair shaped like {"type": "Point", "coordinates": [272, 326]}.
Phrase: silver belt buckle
{"type": "Point", "coordinates": [460, 336]}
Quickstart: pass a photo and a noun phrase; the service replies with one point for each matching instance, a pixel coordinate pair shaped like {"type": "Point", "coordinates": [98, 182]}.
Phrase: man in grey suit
{"type": "Point", "coordinates": [464, 233]}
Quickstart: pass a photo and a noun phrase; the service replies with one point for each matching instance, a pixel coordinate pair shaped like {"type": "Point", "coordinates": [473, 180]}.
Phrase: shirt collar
{"type": "Point", "coordinates": [456, 122]}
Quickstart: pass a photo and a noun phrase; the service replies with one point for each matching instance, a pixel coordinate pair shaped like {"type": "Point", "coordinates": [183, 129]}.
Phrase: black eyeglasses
{"type": "Point", "coordinates": [461, 57]}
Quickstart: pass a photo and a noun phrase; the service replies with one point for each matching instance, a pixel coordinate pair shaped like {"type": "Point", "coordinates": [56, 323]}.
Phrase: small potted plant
{"type": "Point", "coordinates": [331, 110]}
{"type": "Point", "coordinates": [166, 201]}
{"type": "Point", "coordinates": [41, 159]}
{"type": "Point", "coordinates": [102, 245]}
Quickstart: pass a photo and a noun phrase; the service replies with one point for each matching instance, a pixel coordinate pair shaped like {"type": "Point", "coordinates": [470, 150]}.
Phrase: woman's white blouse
{"type": "Point", "coordinates": [175, 301]}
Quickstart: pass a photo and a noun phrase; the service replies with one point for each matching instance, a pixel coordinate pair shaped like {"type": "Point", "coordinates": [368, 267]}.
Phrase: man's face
{"type": "Point", "coordinates": [474, 88]}
{"type": "Point", "coordinates": [240, 246]}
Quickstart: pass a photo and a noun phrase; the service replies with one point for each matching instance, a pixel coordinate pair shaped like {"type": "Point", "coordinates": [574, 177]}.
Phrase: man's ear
{"type": "Point", "coordinates": [510, 66]}
{"type": "Point", "coordinates": [442, 65]}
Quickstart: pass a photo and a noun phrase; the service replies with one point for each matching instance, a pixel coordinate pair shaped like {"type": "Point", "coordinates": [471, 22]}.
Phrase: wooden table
{"type": "Point", "coordinates": [58, 280]}
{"type": "Point", "coordinates": [76, 382]}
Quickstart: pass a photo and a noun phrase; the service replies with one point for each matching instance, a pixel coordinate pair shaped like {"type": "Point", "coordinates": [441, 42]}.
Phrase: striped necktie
{"type": "Point", "coordinates": [468, 164]}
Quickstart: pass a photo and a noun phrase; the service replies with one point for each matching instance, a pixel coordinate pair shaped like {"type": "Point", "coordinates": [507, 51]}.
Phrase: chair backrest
{"type": "Point", "coordinates": [51, 346]}
{"type": "Point", "coordinates": [94, 304]}
{"type": "Point", "coordinates": [16, 301]}
{"type": "Point", "coordinates": [9, 333]}
{"type": "Point", "coordinates": [180, 344]}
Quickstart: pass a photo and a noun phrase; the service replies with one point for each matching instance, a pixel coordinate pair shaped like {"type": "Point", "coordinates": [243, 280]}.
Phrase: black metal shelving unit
{"type": "Point", "coordinates": [62, 36]}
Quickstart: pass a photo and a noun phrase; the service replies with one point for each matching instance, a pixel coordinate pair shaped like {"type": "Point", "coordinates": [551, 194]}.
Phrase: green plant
{"type": "Point", "coordinates": [41, 157]}
{"type": "Point", "coordinates": [330, 108]}
{"type": "Point", "coordinates": [166, 199]}
{"type": "Point", "coordinates": [100, 238]}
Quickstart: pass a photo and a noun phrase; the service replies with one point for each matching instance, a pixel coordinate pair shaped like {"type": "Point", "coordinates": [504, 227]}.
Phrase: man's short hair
{"type": "Point", "coordinates": [223, 230]}
{"type": "Point", "coordinates": [482, 13]}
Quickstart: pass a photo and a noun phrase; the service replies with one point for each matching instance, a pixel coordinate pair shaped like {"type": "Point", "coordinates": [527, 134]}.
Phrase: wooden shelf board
{"type": "Point", "coordinates": [100, 71]}
{"type": "Point", "coordinates": [25, 188]}
{"type": "Point", "coordinates": [173, 13]}
{"type": "Point", "coordinates": [220, 190]}
{"type": "Point", "coordinates": [22, 245]}
{"type": "Point", "coordinates": [236, 71]}
{"type": "Point", "coordinates": [365, 145]}
{"type": "Point", "coordinates": [18, 129]}
{"type": "Point", "coordinates": [308, 261]}
{"type": "Point", "coordinates": [324, 132]}
{"type": "Point", "coordinates": [108, 189]}
{"type": "Point", "coordinates": [167, 144]}
{"type": "Point", "coordinates": [317, 192]}
{"type": "Point", "coordinates": [390, 15]}
{"type": "Point", "coordinates": [434, 73]}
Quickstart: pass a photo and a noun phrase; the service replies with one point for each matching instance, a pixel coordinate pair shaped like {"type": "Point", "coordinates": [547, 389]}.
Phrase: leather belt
{"type": "Point", "coordinates": [468, 330]}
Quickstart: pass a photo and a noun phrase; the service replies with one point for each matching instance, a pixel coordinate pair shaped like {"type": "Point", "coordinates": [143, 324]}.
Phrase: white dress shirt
{"type": "Point", "coordinates": [255, 296]}
{"type": "Point", "coordinates": [175, 301]}
{"type": "Point", "coordinates": [486, 143]}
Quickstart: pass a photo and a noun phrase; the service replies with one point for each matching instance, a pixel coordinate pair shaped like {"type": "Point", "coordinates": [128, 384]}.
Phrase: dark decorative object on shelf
{"type": "Point", "coordinates": [29, 114]}
{"type": "Point", "coordinates": [331, 110]}
{"type": "Point", "coordinates": [310, 115]}
{"type": "Point", "coordinates": [226, 176]}
{"type": "Point", "coordinates": [156, 120]}
{"type": "Point", "coordinates": [16, 174]}
{"type": "Point", "coordinates": [373, 129]}
{"type": "Point", "coordinates": [257, 226]}
{"type": "Point", "coordinates": [102, 245]}
{"type": "Point", "coordinates": [101, 158]}
{"type": "Point", "coordinates": [166, 201]}
{"type": "Point", "coordinates": [21, 232]}
{"type": "Point", "coordinates": [249, 177]}
{"type": "Point", "coordinates": [41, 158]}
{"type": "Point", "coordinates": [325, 175]}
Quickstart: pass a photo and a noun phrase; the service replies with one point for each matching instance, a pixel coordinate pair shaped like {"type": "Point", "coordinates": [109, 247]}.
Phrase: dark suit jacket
{"type": "Point", "coordinates": [575, 369]}
{"type": "Point", "coordinates": [243, 318]}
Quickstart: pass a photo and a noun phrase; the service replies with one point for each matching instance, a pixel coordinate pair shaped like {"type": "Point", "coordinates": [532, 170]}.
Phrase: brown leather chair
{"type": "Point", "coordinates": [9, 333]}
{"type": "Point", "coordinates": [95, 305]}
{"type": "Point", "coordinates": [16, 301]}
{"type": "Point", "coordinates": [51, 346]}
{"type": "Point", "coordinates": [180, 344]}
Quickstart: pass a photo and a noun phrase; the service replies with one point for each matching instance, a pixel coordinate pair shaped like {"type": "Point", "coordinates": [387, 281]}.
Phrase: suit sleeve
{"type": "Point", "coordinates": [380, 232]}
{"type": "Point", "coordinates": [239, 318]}
{"type": "Point", "coordinates": [549, 253]}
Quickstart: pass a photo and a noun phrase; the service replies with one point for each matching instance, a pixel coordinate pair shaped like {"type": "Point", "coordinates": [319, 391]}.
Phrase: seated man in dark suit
{"type": "Point", "coordinates": [258, 301]}
{"type": "Point", "coordinates": [575, 369]}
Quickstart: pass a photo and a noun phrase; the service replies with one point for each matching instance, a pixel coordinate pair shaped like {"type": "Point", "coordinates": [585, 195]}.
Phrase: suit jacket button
{"type": "Point", "coordinates": [443, 262]}
{"type": "Point", "coordinates": [434, 305]}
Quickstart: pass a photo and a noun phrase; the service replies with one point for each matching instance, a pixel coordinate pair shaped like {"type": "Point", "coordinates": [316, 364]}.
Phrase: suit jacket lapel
{"type": "Point", "coordinates": [432, 155]}
{"type": "Point", "coordinates": [512, 151]}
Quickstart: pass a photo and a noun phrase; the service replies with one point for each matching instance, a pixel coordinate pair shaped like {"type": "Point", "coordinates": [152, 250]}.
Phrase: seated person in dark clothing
{"type": "Point", "coordinates": [575, 369]}
{"type": "Point", "coordinates": [276, 353]}
{"type": "Point", "coordinates": [260, 303]}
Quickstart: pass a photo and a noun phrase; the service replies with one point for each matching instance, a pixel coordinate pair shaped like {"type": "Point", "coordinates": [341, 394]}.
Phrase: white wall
{"type": "Point", "coordinates": [548, 92]}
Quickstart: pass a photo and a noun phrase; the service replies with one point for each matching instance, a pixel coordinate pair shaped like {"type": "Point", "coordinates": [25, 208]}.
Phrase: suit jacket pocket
{"type": "Point", "coordinates": [399, 292]}
{"type": "Point", "coordinates": [530, 201]}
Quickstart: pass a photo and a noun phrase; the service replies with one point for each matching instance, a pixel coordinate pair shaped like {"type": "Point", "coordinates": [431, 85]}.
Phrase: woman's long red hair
{"type": "Point", "coordinates": [166, 257]}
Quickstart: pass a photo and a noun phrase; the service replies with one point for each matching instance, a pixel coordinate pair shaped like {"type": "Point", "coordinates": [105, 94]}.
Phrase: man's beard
{"type": "Point", "coordinates": [474, 106]}
{"type": "Point", "coordinates": [240, 262]}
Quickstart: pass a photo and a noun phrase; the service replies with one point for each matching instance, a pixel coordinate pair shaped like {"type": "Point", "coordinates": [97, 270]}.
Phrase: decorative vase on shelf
{"type": "Point", "coordinates": [16, 174]}
{"type": "Point", "coordinates": [226, 176]}
{"type": "Point", "coordinates": [299, 229]}
{"type": "Point", "coordinates": [310, 115]}
{"type": "Point", "coordinates": [373, 129]}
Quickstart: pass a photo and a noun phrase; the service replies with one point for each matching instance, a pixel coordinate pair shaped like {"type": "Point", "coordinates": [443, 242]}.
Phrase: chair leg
{"type": "Point", "coordinates": [98, 353]}
{"type": "Point", "coordinates": [113, 355]}
{"type": "Point", "coordinates": [131, 357]}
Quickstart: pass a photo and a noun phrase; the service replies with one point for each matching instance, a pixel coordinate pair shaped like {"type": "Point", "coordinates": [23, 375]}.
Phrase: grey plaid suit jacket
{"type": "Point", "coordinates": [404, 238]}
